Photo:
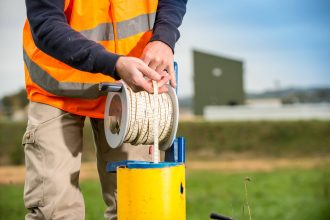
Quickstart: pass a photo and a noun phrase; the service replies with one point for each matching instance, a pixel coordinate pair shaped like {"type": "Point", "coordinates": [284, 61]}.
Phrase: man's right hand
{"type": "Point", "coordinates": [133, 71]}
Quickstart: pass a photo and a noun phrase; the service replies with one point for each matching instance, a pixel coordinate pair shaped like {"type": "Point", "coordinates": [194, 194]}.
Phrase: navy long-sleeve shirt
{"type": "Point", "coordinates": [53, 35]}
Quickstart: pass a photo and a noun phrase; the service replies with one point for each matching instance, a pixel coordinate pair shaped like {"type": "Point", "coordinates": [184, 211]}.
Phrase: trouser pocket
{"type": "Point", "coordinates": [34, 180]}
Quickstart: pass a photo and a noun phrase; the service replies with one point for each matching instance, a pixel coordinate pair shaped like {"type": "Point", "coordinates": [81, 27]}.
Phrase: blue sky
{"type": "Point", "coordinates": [279, 41]}
{"type": "Point", "coordinates": [283, 41]}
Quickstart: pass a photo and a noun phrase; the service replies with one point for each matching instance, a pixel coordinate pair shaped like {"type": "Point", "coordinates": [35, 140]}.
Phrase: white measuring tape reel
{"type": "Point", "coordinates": [129, 117]}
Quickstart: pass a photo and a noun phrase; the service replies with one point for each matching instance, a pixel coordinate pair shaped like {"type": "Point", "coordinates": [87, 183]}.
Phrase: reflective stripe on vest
{"type": "Point", "coordinates": [67, 89]}
{"type": "Point", "coordinates": [104, 32]}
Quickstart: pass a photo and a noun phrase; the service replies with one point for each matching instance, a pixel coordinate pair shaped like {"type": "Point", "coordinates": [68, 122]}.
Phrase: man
{"type": "Point", "coordinates": [69, 47]}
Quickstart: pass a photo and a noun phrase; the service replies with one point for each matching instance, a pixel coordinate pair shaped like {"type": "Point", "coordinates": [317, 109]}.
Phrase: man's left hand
{"type": "Point", "coordinates": [159, 57]}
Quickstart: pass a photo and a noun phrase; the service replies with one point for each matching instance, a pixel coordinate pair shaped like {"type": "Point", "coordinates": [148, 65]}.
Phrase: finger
{"type": "Point", "coordinates": [160, 68]}
{"type": "Point", "coordinates": [144, 85]}
{"type": "Point", "coordinates": [138, 82]}
{"type": "Point", "coordinates": [146, 59]}
{"type": "Point", "coordinates": [154, 63]}
{"type": "Point", "coordinates": [133, 82]}
{"type": "Point", "coordinates": [164, 80]}
{"type": "Point", "coordinates": [163, 89]}
{"type": "Point", "coordinates": [150, 73]}
{"type": "Point", "coordinates": [162, 73]}
{"type": "Point", "coordinates": [171, 72]}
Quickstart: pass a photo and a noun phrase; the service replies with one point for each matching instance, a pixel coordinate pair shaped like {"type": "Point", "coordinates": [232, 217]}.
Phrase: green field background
{"type": "Point", "coordinates": [260, 139]}
{"type": "Point", "coordinates": [281, 194]}
{"type": "Point", "coordinates": [290, 193]}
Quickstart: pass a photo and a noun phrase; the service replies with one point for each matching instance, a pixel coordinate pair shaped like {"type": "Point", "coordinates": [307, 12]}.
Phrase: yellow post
{"type": "Point", "coordinates": [151, 193]}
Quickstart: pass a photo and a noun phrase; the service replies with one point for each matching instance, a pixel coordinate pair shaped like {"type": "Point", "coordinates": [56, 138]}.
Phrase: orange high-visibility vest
{"type": "Point", "coordinates": [121, 26]}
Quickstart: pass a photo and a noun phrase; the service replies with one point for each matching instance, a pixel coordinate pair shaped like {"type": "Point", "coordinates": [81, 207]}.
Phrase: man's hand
{"type": "Point", "coordinates": [133, 71]}
{"type": "Point", "coordinates": [159, 57]}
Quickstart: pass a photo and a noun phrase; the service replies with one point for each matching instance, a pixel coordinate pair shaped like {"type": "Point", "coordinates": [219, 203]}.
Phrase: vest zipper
{"type": "Point", "coordinates": [114, 25]}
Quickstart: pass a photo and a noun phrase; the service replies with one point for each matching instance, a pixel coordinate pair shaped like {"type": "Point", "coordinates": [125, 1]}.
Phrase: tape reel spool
{"type": "Point", "coordinates": [116, 116]}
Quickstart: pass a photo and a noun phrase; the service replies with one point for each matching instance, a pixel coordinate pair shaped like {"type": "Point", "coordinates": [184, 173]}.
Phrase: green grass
{"type": "Point", "coordinates": [265, 138]}
{"type": "Point", "coordinates": [281, 194]}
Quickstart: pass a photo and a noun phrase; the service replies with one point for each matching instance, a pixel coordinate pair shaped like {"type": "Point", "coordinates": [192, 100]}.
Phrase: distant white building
{"type": "Point", "coordinates": [270, 111]}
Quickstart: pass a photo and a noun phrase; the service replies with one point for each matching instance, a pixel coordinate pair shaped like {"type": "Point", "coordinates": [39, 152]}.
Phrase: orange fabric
{"type": "Point", "coordinates": [91, 12]}
{"type": "Point", "coordinates": [91, 107]}
{"type": "Point", "coordinates": [56, 68]}
{"type": "Point", "coordinates": [134, 45]}
{"type": "Point", "coordinates": [84, 15]}
{"type": "Point", "coordinates": [124, 10]}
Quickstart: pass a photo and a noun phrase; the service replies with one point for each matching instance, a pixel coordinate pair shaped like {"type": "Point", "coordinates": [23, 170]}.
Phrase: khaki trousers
{"type": "Point", "coordinates": [53, 148]}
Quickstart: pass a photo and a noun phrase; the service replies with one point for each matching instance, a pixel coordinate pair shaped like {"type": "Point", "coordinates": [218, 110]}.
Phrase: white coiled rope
{"type": "Point", "coordinates": [150, 119]}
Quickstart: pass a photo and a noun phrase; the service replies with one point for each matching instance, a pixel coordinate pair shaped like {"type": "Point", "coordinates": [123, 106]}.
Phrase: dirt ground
{"type": "Point", "coordinates": [16, 174]}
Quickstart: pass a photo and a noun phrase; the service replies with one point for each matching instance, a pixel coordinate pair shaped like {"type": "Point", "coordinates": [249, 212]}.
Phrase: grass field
{"type": "Point", "coordinates": [264, 138]}
{"type": "Point", "coordinates": [286, 192]}
{"type": "Point", "coordinates": [281, 194]}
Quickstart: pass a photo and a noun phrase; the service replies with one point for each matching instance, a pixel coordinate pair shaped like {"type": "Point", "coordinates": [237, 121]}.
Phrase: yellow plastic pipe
{"type": "Point", "coordinates": [151, 193]}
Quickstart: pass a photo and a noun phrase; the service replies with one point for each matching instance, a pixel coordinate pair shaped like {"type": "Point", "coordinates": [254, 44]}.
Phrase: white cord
{"type": "Point", "coordinates": [145, 112]}
{"type": "Point", "coordinates": [155, 150]}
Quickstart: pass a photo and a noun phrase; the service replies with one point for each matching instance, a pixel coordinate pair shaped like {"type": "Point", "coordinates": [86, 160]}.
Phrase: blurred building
{"type": "Point", "coordinates": [218, 81]}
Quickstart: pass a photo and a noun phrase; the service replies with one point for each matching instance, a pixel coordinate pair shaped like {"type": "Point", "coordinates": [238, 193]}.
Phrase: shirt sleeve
{"type": "Point", "coordinates": [168, 19]}
{"type": "Point", "coordinates": [53, 35]}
